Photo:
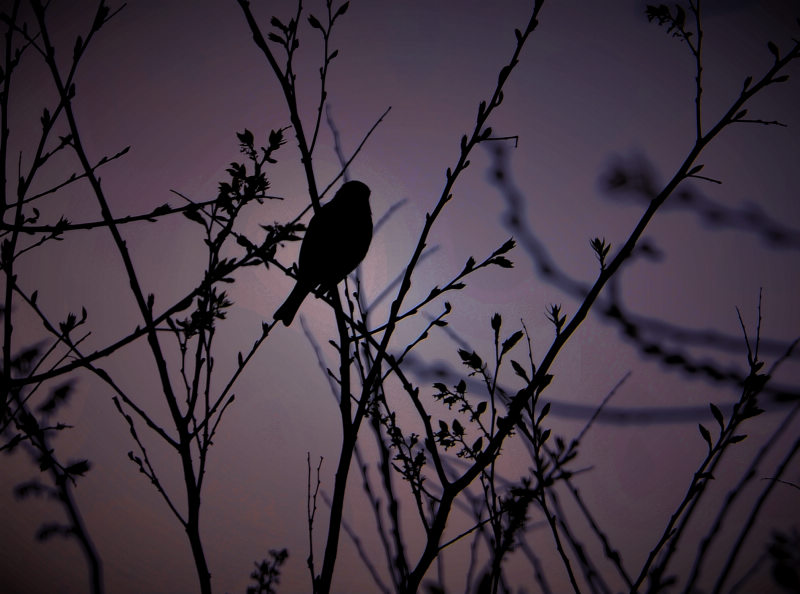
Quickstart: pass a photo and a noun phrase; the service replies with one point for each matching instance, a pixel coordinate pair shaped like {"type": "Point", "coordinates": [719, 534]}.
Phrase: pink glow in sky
{"type": "Point", "coordinates": [597, 85]}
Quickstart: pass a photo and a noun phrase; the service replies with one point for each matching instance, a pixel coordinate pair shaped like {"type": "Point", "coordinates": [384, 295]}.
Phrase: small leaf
{"type": "Point", "coordinates": [502, 262]}
{"type": "Point", "coordinates": [49, 530]}
{"type": "Point", "coordinates": [100, 17]}
{"type": "Point", "coordinates": [312, 20]}
{"type": "Point", "coordinates": [507, 246]}
{"type": "Point", "coordinates": [246, 137]}
{"type": "Point", "coordinates": [76, 52]}
{"type": "Point", "coordinates": [695, 169]}
{"type": "Point", "coordinates": [543, 414]}
{"type": "Point", "coordinates": [276, 22]}
{"type": "Point", "coordinates": [478, 445]}
{"type": "Point", "coordinates": [193, 215]}
{"type": "Point", "coordinates": [751, 412]}
{"type": "Point", "coordinates": [58, 396]}
{"type": "Point", "coordinates": [342, 9]}
{"type": "Point", "coordinates": [773, 50]}
{"type": "Point", "coordinates": [30, 488]}
{"type": "Point", "coordinates": [509, 343]}
{"type": "Point", "coordinates": [161, 210]}
{"type": "Point", "coordinates": [469, 265]}
{"type": "Point", "coordinates": [680, 16]}
{"type": "Point", "coordinates": [519, 371]}
{"type": "Point", "coordinates": [471, 359]}
{"type": "Point", "coordinates": [737, 438]}
{"type": "Point", "coordinates": [717, 415]}
{"type": "Point", "coordinates": [79, 468]}
{"type": "Point", "coordinates": [705, 434]}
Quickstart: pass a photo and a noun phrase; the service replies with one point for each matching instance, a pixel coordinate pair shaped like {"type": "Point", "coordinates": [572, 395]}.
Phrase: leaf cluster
{"type": "Point", "coordinates": [268, 572]}
{"type": "Point", "coordinates": [675, 21]}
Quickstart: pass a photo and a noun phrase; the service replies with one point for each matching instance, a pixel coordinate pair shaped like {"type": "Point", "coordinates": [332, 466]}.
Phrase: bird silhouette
{"type": "Point", "coordinates": [336, 240]}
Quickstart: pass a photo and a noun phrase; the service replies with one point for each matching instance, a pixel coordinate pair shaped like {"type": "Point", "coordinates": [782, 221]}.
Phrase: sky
{"type": "Point", "coordinates": [597, 87]}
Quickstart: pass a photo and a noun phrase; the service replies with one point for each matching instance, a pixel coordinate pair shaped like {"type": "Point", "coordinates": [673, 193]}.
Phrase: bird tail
{"type": "Point", "coordinates": [287, 311]}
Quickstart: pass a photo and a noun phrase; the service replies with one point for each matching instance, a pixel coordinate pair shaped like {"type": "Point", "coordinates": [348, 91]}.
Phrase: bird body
{"type": "Point", "coordinates": [336, 240]}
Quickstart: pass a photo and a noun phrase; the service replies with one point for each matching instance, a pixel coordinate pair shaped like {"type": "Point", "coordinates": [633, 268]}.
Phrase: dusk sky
{"type": "Point", "coordinates": [597, 87]}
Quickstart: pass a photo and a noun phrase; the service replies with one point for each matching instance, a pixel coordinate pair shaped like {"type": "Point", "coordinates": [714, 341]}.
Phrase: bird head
{"type": "Point", "coordinates": [354, 190]}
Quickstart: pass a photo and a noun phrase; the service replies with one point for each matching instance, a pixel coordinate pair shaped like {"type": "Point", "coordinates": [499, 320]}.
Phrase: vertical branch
{"type": "Point", "coordinates": [697, 52]}
{"type": "Point", "coordinates": [748, 475]}
{"type": "Point", "coordinates": [8, 67]}
{"type": "Point", "coordinates": [66, 93]}
{"type": "Point", "coordinates": [62, 477]}
{"type": "Point", "coordinates": [322, 583]}
{"type": "Point", "coordinates": [25, 419]}
{"type": "Point", "coordinates": [9, 246]}
{"type": "Point", "coordinates": [81, 533]}
{"type": "Point", "coordinates": [350, 423]}
{"type": "Point", "coordinates": [286, 80]}
{"type": "Point", "coordinates": [326, 60]}
{"type": "Point", "coordinates": [751, 518]}
{"type": "Point", "coordinates": [311, 512]}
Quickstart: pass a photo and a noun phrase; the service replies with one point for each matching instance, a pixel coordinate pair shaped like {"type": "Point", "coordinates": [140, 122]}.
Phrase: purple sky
{"type": "Point", "coordinates": [596, 84]}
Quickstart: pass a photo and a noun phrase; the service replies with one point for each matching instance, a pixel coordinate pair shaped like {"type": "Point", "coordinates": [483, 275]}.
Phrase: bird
{"type": "Point", "coordinates": [336, 240]}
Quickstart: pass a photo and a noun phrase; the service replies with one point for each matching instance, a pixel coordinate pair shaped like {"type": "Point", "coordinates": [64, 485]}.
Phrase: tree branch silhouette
{"type": "Point", "coordinates": [436, 471]}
